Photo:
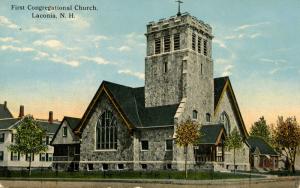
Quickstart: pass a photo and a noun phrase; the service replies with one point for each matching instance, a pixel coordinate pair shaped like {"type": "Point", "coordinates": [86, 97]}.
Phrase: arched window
{"type": "Point", "coordinates": [195, 114]}
{"type": "Point", "coordinates": [225, 120]}
{"type": "Point", "coordinates": [106, 131]}
{"type": "Point", "coordinates": [208, 117]}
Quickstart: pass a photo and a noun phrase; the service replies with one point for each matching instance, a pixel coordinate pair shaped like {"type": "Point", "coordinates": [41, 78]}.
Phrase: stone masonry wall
{"type": "Point", "coordinates": [88, 152]}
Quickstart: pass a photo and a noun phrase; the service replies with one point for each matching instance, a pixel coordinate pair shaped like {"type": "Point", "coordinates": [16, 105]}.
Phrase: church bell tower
{"type": "Point", "coordinates": [178, 64]}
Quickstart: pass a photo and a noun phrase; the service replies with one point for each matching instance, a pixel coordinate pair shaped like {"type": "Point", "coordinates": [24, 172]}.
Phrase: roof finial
{"type": "Point", "coordinates": [179, 2]}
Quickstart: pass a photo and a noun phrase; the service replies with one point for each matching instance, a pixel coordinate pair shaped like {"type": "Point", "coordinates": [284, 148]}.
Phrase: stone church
{"type": "Point", "coordinates": [134, 128]}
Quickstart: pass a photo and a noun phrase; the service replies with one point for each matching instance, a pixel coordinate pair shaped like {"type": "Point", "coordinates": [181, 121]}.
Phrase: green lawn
{"type": "Point", "coordinates": [127, 175]}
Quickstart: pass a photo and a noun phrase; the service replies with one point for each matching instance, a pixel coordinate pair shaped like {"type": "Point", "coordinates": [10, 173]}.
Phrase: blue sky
{"type": "Point", "coordinates": [58, 64]}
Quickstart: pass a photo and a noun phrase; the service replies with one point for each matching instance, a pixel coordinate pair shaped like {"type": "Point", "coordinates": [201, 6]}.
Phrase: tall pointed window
{"type": "Point", "coordinates": [205, 47]}
{"type": "Point", "coordinates": [176, 41]}
{"type": "Point", "coordinates": [157, 45]}
{"type": "Point", "coordinates": [165, 67]}
{"type": "Point", "coordinates": [199, 45]}
{"type": "Point", "coordinates": [106, 131]}
{"type": "Point", "coordinates": [194, 41]}
{"type": "Point", "coordinates": [195, 114]}
{"type": "Point", "coordinates": [167, 43]}
{"type": "Point", "coordinates": [225, 120]}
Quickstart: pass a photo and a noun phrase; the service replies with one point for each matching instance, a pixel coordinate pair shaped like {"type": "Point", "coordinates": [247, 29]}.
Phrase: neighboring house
{"type": "Point", "coordinates": [134, 128]}
{"type": "Point", "coordinates": [15, 161]}
{"type": "Point", "coordinates": [66, 146]}
{"type": "Point", "coordinates": [263, 156]}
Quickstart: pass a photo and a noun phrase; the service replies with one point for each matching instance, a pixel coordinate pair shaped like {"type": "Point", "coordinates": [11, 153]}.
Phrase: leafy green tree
{"type": "Point", "coordinates": [287, 137]}
{"type": "Point", "coordinates": [234, 141]}
{"type": "Point", "coordinates": [187, 133]}
{"type": "Point", "coordinates": [261, 129]}
{"type": "Point", "coordinates": [29, 137]}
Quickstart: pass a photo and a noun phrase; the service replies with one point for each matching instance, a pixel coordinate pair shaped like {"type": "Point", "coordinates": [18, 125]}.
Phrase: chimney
{"type": "Point", "coordinates": [5, 104]}
{"type": "Point", "coordinates": [21, 114]}
{"type": "Point", "coordinates": [50, 120]}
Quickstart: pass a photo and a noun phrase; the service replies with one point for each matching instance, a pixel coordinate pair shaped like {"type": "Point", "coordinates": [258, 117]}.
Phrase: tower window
{"type": "Point", "coordinates": [199, 45]}
{"type": "Point", "coordinates": [176, 41]}
{"type": "Point", "coordinates": [201, 68]}
{"type": "Point", "coordinates": [165, 67]}
{"type": "Point", "coordinates": [195, 114]}
{"type": "Point", "coordinates": [205, 47]}
{"type": "Point", "coordinates": [157, 45]}
{"type": "Point", "coordinates": [208, 117]}
{"type": "Point", "coordinates": [167, 43]}
{"type": "Point", "coordinates": [194, 41]}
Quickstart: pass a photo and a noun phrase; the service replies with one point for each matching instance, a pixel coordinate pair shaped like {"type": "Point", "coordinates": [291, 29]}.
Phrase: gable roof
{"type": "Point", "coordinates": [260, 144]}
{"type": "Point", "coordinates": [211, 133]}
{"type": "Point", "coordinates": [223, 85]}
{"type": "Point", "coordinates": [7, 123]}
{"type": "Point", "coordinates": [51, 128]}
{"type": "Point", "coordinates": [130, 103]}
{"type": "Point", "coordinates": [4, 112]}
{"type": "Point", "coordinates": [72, 122]}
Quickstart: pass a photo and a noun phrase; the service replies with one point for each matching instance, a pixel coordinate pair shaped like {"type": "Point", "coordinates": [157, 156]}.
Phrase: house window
{"type": "Point", "coordinates": [65, 131]}
{"type": "Point", "coordinates": [205, 47]}
{"type": "Point", "coordinates": [104, 167]}
{"type": "Point", "coordinates": [167, 43]}
{"type": "Point", "coordinates": [49, 156]}
{"type": "Point", "coordinates": [14, 156]}
{"type": "Point", "coordinates": [106, 131]}
{"type": "Point", "coordinates": [195, 114]}
{"type": "Point", "coordinates": [194, 41]}
{"type": "Point", "coordinates": [90, 167]}
{"type": "Point", "coordinates": [1, 155]}
{"type": "Point", "coordinates": [208, 116]}
{"type": "Point", "coordinates": [199, 45]}
{"type": "Point", "coordinates": [42, 156]}
{"type": "Point", "coordinates": [13, 138]}
{"type": "Point", "coordinates": [169, 166]}
{"type": "Point", "coordinates": [176, 41]}
{"type": "Point", "coordinates": [169, 145]}
{"type": "Point", "coordinates": [144, 166]}
{"type": "Point", "coordinates": [121, 166]}
{"type": "Point", "coordinates": [225, 120]}
{"type": "Point", "coordinates": [157, 45]}
{"type": "Point", "coordinates": [28, 156]}
{"type": "Point", "coordinates": [2, 136]}
{"type": "Point", "coordinates": [165, 67]}
{"type": "Point", "coordinates": [145, 145]}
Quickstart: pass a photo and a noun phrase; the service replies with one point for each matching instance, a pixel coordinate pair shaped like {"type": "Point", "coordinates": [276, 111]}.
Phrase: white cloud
{"type": "Point", "coordinates": [223, 61]}
{"type": "Point", "coordinates": [246, 26]}
{"type": "Point", "coordinates": [58, 59]}
{"type": "Point", "coordinates": [120, 49]}
{"type": "Point", "coordinates": [255, 35]}
{"type": "Point", "coordinates": [9, 39]}
{"type": "Point", "coordinates": [242, 35]}
{"type": "Point", "coordinates": [220, 42]}
{"type": "Point", "coordinates": [273, 61]}
{"type": "Point", "coordinates": [37, 30]}
{"type": "Point", "coordinates": [129, 72]}
{"type": "Point", "coordinates": [7, 23]}
{"type": "Point", "coordinates": [228, 70]}
{"type": "Point", "coordinates": [100, 37]}
{"type": "Point", "coordinates": [273, 71]}
{"type": "Point", "coordinates": [79, 22]}
{"type": "Point", "coordinates": [99, 60]}
{"type": "Point", "coordinates": [17, 49]}
{"type": "Point", "coordinates": [53, 44]}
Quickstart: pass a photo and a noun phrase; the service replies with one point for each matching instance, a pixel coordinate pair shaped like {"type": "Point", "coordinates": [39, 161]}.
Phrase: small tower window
{"type": "Point", "coordinates": [208, 116]}
{"type": "Point", "coordinates": [165, 67]}
{"type": "Point", "coordinates": [176, 41]}
{"type": "Point", "coordinates": [157, 45]}
{"type": "Point", "coordinates": [205, 47]}
{"type": "Point", "coordinates": [167, 43]}
{"type": "Point", "coordinates": [199, 45]}
{"type": "Point", "coordinates": [195, 114]}
{"type": "Point", "coordinates": [201, 68]}
{"type": "Point", "coordinates": [194, 41]}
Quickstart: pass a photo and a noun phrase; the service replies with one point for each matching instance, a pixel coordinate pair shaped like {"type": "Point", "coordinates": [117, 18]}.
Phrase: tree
{"type": "Point", "coordinates": [287, 138]}
{"type": "Point", "coordinates": [29, 136]}
{"type": "Point", "coordinates": [187, 133]}
{"type": "Point", "coordinates": [261, 129]}
{"type": "Point", "coordinates": [234, 141]}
